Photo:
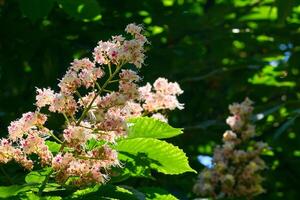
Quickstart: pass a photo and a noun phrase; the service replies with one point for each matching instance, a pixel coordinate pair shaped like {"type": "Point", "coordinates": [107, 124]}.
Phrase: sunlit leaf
{"type": "Point", "coordinates": [104, 192]}
{"type": "Point", "coordinates": [53, 146]}
{"type": "Point", "coordinates": [270, 77]}
{"type": "Point", "coordinates": [261, 13]}
{"type": "Point", "coordinates": [154, 193]}
{"type": "Point", "coordinates": [146, 127]}
{"type": "Point", "coordinates": [37, 176]}
{"type": "Point", "coordinates": [164, 157]}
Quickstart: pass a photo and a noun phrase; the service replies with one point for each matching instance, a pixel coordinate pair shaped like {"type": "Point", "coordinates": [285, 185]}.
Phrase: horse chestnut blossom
{"type": "Point", "coordinates": [91, 111]}
{"type": "Point", "coordinates": [237, 163]}
{"type": "Point", "coordinates": [161, 96]}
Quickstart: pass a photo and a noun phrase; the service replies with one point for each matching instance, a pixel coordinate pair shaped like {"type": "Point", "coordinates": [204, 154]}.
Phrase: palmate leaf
{"type": "Point", "coordinates": [164, 157]}
{"type": "Point", "coordinates": [34, 196]}
{"type": "Point", "coordinates": [37, 176]}
{"type": "Point", "coordinates": [104, 192]}
{"type": "Point", "coordinates": [136, 166]}
{"type": "Point", "coordinates": [153, 193]}
{"type": "Point", "coordinates": [13, 190]}
{"type": "Point", "coordinates": [146, 127]}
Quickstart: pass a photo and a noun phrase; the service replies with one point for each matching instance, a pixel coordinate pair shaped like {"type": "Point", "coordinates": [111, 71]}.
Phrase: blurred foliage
{"type": "Point", "coordinates": [219, 50]}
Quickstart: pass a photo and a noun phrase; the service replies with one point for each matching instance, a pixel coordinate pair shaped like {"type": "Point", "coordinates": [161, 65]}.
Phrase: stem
{"type": "Point", "coordinates": [108, 91]}
{"type": "Point", "coordinates": [44, 183]}
{"type": "Point", "coordinates": [109, 68]}
{"type": "Point", "coordinates": [98, 86]}
{"type": "Point", "coordinates": [80, 97]}
{"type": "Point", "coordinates": [86, 127]}
{"type": "Point", "coordinates": [66, 118]}
{"type": "Point", "coordinates": [56, 138]}
{"type": "Point", "coordinates": [84, 113]}
{"type": "Point", "coordinates": [113, 81]}
{"type": "Point", "coordinates": [62, 146]}
{"type": "Point", "coordinates": [73, 119]}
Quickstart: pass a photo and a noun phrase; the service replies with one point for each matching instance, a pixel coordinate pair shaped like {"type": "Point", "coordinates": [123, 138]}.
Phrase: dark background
{"type": "Point", "coordinates": [220, 51]}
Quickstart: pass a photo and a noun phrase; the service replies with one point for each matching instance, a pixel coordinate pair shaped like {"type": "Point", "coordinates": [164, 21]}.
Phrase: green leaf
{"type": "Point", "coordinates": [139, 195]}
{"type": "Point", "coordinates": [270, 76]}
{"type": "Point", "coordinates": [164, 157]}
{"type": "Point", "coordinates": [156, 194]}
{"type": "Point", "coordinates": [13, 190]}
{"type": "Point", "coordinates": [146, 127]}
{"type": "Point", "coordinates": [104, 192]}
{"type": "Point", "coordinates": [29, 196]}
{"type": "Point", "coordinates": [36, 9]}
{"type": "Point", "coordinates": [93, 143]}
{"type": "Point", "coordinates": [86, 191]}
{"type": "Point", "coordinates": [37, 176]}
{"type": "Point", "coordinates": [53, 146]}
{"type": "Point", "coordinates": [34, 196]}
{"type": "Point", "coordinates": [260, 13]}
{"type": "Point", "coordinates": [82, 9]}
{"type": "Point", "coordinates": [136, 166]}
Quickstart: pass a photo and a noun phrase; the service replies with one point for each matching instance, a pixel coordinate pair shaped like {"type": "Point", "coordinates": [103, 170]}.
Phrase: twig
{"type": "Point", "coordinates": [101, 89]}
{"type": "Point", "coordinates": [56, 138]}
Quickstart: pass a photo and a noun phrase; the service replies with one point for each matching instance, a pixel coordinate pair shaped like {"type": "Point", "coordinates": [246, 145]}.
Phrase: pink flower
{"type": "Point", "coordinates": [103, 52]}
{"type": "Point", "coordinates": [129, 75]}
{"type": "Point", "coordinates": [133, 29]}
{"type": "Point", "coordinates": [145, 91]}
{"type": "Point", "coordinates": [88, 77]}
{"type": "Point", "coordinates": [76, 135]}
{"type": "Point", "coordinates": [35, 144]}
{"type": "Point", "coordinates": [28, 120]}
{"type": "Point", "coordinates": [235, 122]}
{"type": "Point", "coordinates": [6, 151]}
{"type": "Point", "coordinates": [69, 83]}
{"type": "Point", "coordinates": [241, 109]}
{"type": "Point", "coordinates": [63, 104]}
{"type": "Point", "coordinates": [82, 64]}
{"type": "Point", "coordinates": [229, 136]}
{"type": "Point", "coordinates": [160, 117]}
{"type": "Point", "coordinates": [163, 86]}
{"type": "Point", "coordinates": [120, 50]}
{"type": "Point", "coordinates": [44, 97]}
{"type": "Point", "coordinates": [236, 161]}
{"type": "Point", "coordinates": [163, 96]}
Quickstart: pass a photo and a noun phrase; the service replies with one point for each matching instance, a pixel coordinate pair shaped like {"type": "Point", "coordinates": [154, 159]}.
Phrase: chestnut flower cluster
{"type": "Point", "coordinates": [237, 163]}
{"type": "Point", "coordinates": [98, 114]}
